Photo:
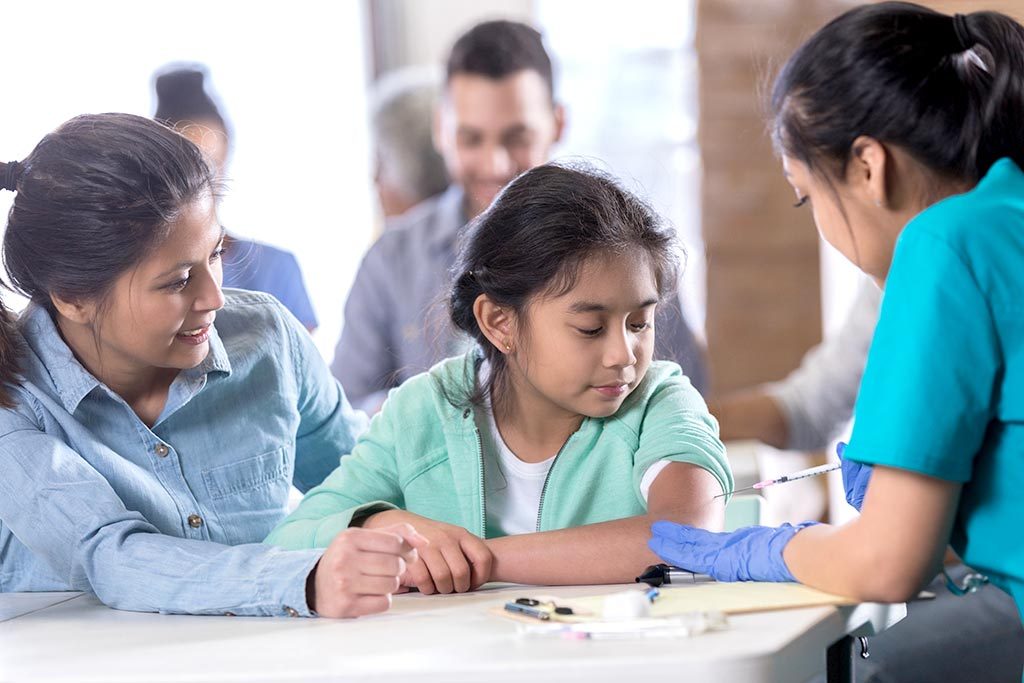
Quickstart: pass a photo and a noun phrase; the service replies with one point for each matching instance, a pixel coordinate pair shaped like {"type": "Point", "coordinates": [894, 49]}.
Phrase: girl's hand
{"type": "Point", "coordinates": [454, 561]}
{"type": "Point", "coordinates": [360, 570]}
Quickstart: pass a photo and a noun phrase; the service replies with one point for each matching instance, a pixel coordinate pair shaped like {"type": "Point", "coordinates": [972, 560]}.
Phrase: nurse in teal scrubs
{"type": "Point", "coordinates": [902, 129]}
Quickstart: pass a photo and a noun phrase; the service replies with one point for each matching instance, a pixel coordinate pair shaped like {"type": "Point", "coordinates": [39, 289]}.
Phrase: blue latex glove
{"type": "Point", "coordinates": [753, 553]}
{"type": "Point", "coordinates": [855, 478]}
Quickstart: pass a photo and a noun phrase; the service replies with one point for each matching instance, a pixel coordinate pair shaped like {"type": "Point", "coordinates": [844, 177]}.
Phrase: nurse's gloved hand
{"type": "Point", "coordinates": [753, 553]}
{"type": "Point", "coordinates": [855, 478]}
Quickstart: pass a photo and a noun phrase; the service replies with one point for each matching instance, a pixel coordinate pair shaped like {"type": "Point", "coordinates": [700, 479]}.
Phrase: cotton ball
{"type": "Point", "coordinates": [626, 605]}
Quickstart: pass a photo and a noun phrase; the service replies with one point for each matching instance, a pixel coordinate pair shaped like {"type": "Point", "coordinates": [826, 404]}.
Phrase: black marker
{"type": "Point", "coordinates": [666, 574]}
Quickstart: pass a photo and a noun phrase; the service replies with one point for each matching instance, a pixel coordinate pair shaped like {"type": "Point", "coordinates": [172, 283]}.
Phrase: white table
{"type": "Point", "coordinates": [423, 638]}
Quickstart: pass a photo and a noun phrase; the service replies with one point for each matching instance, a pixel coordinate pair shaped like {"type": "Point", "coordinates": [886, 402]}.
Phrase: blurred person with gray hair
{"type": "Point", "coordinates": [408, 167]}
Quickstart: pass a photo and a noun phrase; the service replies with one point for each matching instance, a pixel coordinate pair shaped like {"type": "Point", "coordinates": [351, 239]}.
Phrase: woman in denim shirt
{"type": "Point", "coordinates": [144, 450]}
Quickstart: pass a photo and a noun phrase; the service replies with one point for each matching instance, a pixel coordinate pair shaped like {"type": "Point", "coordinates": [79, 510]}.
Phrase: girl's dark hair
{"type": "Point", "coordinates": [93, 199]}
{"type": "Point", "coordinates": [947, 90]}
{"type": "Point", "coordinates": [537, 235]}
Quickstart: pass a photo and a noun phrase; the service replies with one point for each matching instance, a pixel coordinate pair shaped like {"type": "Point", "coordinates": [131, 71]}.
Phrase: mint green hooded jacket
{"type": "Point", "coordinates": [423, 453]}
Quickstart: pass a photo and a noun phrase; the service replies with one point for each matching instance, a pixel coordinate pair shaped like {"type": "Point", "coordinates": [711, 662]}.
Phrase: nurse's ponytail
{"type": "Point", "coordinates": [949, 90]}
{"type": "Point", "coordinates": [92, 199]}
{"type": "Point", "coordinates": [998, 124]}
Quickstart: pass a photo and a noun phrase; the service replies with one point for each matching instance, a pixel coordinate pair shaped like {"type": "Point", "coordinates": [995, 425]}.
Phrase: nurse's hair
{"type": "Point", "coordinates": [536, 237]}
{"type": "Point", "coordinates": [947, 90]}
{"type": "Point", "coordinates": [93, 198]}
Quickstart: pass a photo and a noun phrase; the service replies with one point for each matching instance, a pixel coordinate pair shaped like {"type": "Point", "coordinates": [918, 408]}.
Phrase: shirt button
{"type": "Point", "coordinates": [195, 521]}
{"type": "Point", "coordinates": [162, 450]}
{"type": "Point", "coordinates": [290, 611]}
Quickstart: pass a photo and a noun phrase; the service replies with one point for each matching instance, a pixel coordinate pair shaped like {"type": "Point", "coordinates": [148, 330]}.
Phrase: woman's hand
{"type": "Point", "coordinates": [454, 561]}
{"type": "Point", "coordinates": [360, 570]}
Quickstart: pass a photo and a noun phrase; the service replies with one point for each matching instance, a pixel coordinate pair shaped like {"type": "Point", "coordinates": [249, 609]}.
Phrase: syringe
{"type": "Point", "coordinates": [802, 474]}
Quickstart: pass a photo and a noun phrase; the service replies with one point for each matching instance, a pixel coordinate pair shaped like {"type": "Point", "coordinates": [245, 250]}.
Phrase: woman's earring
{"type": "Point", "coordinates": [508, 348]}
{"type": "Point", "coordinates": [878, 203]}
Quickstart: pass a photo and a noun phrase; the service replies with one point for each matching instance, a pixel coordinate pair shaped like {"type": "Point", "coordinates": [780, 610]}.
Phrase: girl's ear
{"type": "Point", "coordinates": [496, 322]}
{"type": "Point", "coordinates": [867, 171]}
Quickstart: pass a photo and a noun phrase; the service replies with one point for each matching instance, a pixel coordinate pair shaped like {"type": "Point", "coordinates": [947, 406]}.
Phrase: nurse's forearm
{"type": "Point", "coordinates": [887, 553]}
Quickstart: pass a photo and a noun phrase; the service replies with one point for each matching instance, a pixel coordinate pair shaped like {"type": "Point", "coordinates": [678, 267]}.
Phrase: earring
{"type": "Point", "coordinates": [878, 203]}
{"type": "Point", "coordinates": [508, 347]}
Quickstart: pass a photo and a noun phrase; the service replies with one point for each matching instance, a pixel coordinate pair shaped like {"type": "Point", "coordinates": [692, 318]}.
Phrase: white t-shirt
{"type": "Point", "coordinates": [512, 487]}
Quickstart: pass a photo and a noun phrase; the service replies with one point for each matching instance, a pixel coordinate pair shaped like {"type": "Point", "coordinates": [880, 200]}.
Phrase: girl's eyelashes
{"type": "Point", "coordinates": [636, 327]}
{"type": "Point", "coordinates": [802, 201]}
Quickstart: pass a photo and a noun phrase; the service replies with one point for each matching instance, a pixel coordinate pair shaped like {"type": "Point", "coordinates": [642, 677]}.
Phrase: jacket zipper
{"type": "Point", "coordinates": [544, 489]}
{"type": "Point", "coordinates": [483, 494]}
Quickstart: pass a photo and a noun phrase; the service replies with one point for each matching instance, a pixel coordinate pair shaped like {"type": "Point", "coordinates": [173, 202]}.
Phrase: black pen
{"type": "Point", "coordinates": [666, 574]}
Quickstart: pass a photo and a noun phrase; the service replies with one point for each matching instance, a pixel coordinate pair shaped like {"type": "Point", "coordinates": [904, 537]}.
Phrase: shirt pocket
{"type": "Point", "coordinates": [250, 496]}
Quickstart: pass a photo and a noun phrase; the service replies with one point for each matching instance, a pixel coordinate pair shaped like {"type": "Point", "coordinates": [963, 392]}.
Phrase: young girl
{"type": "Point", "coordinates": [902, 128]}
{"type": "Point", "coordinates": [543, 455]}
{"type": "Point", "coordinates": [144, 448]}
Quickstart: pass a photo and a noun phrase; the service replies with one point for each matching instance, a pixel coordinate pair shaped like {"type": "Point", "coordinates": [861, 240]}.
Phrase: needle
{"type": "Point", "coordinates": [802, 474]}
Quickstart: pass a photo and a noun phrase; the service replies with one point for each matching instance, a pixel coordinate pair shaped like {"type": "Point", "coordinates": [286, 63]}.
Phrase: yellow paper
{"type": "Point", "coordinates": [730, 598]}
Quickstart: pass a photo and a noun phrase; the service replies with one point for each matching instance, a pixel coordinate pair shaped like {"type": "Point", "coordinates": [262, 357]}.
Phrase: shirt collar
{"type": "Point", "coordinates": [70, 378]}
{"type": "Point", "coordinates": [216, 360]}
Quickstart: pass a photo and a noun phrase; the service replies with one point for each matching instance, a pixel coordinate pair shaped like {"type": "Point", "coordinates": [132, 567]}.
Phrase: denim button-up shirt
{"type": "Point", "coordinates": [170, 518]}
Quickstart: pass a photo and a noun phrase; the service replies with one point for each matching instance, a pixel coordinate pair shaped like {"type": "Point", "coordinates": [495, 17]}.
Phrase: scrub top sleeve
{"type": "Point", "coordinates": [927, 395]}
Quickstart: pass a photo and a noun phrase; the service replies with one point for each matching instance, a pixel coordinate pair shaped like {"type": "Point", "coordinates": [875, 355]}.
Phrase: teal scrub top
{"type": "Point", "coordinates": [943, 390]}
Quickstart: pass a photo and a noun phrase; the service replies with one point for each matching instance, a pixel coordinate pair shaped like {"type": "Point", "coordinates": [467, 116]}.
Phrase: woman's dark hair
{"type": "Point", "coordinates": [181, 97]}
{"type": "Point", "coordinates": [535, 238]}
{"type": "Point", "coordinates": [93, 199]}
{"type": "Point", "coordinates": [949, 91]}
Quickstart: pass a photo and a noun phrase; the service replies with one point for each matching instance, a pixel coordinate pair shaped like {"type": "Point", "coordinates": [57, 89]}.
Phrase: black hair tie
{"type": "Point", "coordinates": [11, 175]}
{"type": "Point", "coordinates": [963, 33]}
